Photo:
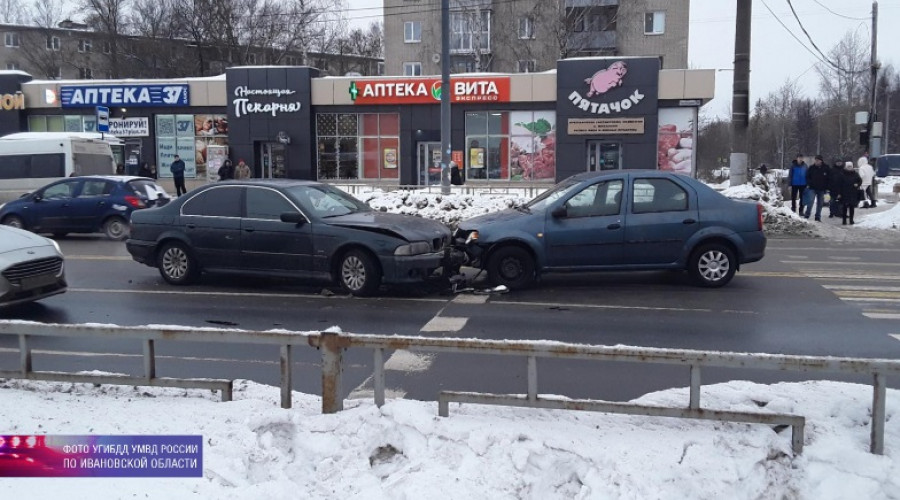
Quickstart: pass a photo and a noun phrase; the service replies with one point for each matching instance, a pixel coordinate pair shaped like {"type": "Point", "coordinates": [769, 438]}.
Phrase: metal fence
{"type": "Point", "coordinates": [520, 189]}
{"type": "Point", "coordinates": [333, 345]}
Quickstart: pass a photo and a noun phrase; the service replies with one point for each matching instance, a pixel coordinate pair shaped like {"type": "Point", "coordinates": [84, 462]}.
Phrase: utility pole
{"type": "Point", "coordinates": [740, 104]}
{"type": "Point", "coordinates": [874, 142]}
{"type": "Point", "coordinates": [887, 122]}
{"type": "Point", "coordinates": [445, 96]}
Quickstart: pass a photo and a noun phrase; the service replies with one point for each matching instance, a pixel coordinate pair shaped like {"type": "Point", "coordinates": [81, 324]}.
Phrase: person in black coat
{"type": "Point", "coordinates": [816, 186]}
{"type": "Point", "coordinates": [834, 188]}
{"type": "Point", "coordinates": [144, 171]}
{"type": "Point", "coordinates": [849, 192]}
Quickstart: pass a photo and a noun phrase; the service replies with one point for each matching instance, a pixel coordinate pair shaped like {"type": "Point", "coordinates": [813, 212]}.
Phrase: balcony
{"type": "Point", "coordinates": [591, 3]}
{"type": "Point", "coordinates": [591, 40]}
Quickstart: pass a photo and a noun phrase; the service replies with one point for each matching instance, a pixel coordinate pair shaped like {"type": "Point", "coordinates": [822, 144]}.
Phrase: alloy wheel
{"type": "Point", "coordinates": [713, 265]}
{"type": "Point", "coordinates": [353, 273]}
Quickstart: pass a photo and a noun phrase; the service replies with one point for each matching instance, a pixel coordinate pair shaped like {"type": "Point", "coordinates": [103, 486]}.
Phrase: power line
{"type": "Point", "coordinates": [841, 15]}
{"type": "Point", "coordinates": [809, 37]}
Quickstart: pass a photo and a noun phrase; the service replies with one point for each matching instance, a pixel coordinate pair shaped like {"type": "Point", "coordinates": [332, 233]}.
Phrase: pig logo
{"type": "Point", "coordinates": [606, 79]}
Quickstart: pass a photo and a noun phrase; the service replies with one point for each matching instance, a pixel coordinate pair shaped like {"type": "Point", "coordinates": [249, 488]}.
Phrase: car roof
{"type": "Point", "coordinates": [116, 178]}
{"type": "Point", "coordinates": [615, 173]}
{"type": "Point", "coordinates": [276, 183]}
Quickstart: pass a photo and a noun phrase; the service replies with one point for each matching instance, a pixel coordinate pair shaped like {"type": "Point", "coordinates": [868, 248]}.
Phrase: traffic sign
{"type": "Point", "coordinates": [102, 119]}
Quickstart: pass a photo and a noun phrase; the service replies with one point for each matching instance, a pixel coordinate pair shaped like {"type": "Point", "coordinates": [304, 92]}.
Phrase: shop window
{"type": "Point", "coordinates": [37, 123]}
{"type": "Point", "coordinates": [654, 23]}
{"type": "Point", "coordinates": [412, 69]}
{"type": "Point", "coordinates": [12, 39]}
{"type": "Point", "coordinates": [412, 32]}
{"type": "Point", "coordinates": [511, 146]}
{"type": "Point", "coordinates": [357, 146]}
{"type": "Point", "coordinates": [73, 123]}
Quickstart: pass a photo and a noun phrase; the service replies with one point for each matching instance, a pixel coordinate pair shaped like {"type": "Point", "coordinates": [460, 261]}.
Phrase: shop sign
{"type": "Point", "coordinates": [245, 103]}
{"type": "Point", "coordinates": [428, 90]}
{"type": "Point", "coordinates": [601, 126]}
{"type": "Point", "coordinates": [602, 82]}
{"type": "Point", "coordinates": [10, 102]}
{"type": "Point", "coordinates": [79, 96]}
{"type": "Point", "coordinates": [129, 127]}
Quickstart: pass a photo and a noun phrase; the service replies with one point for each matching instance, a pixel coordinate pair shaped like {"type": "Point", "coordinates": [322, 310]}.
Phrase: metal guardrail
{"type": "Point", "coordinates": [332, 346]}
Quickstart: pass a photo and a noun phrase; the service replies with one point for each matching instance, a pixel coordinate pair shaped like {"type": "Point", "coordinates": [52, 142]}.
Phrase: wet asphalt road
{"type": "Point", "coordinates": [807, 296]}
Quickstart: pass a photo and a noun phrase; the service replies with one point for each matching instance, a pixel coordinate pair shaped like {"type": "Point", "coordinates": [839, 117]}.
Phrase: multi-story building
{"type": "Point", "coordinates": [531, 35]}
{"type": "Point", "coordinates": [73, 51]}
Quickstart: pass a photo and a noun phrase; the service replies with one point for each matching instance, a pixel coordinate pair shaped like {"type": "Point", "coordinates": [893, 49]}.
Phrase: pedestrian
{"type": "Point", "coordinates": [226, 171]}
{"type": "Point", "coordinates": [763, 169]}
{"type": "Point", "coordinates": [867, 174]}
{"type": "Point", "coordinates": [177, 169]}
{"type": "Point", "coordinates": [817, 185]}
{"type": "Point", "coordinates": [144, 171]}
{"type": "Point", "coordinates": [455, 174]}
{"type": "Point", "coordinates": [849, 192]}
{"type": "Point", "coordinates": [797, 177]}
{"type": "Point", "coordinates": [242, 171]}
{"type": "Point", "coordinates": [834, 188]}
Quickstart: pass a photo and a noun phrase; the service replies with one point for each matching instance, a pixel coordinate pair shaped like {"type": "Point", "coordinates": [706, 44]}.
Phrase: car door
{"type": "Point", "coordinates": [88, 208]}
{"type": "Point", "coordinates": [267, 243]}
{"type": "Point", "coordinates": [50, 211]}
{"type": "Point", "coordinates": [212, 223]}
{"type": "Point", "coordinates": [663, 216]}
{"type": "Point", "coordinates": [589, 231]}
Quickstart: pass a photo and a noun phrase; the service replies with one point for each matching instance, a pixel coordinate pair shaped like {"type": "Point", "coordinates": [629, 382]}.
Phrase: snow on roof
{"type": "Point", "coordinates": [62, 135]}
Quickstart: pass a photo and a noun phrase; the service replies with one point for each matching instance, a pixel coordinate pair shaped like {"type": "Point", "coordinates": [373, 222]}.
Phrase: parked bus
{"type": "Point", "coordinates": [29, 160]}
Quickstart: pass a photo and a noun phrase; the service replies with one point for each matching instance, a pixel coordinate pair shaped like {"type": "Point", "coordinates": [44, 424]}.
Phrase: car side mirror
{"type": "Point", "coordinates": [560, 212]}
{"type": "Point", "coordinates": [293, 218]}
{"type": "Point", "coordinates": [36, 197]}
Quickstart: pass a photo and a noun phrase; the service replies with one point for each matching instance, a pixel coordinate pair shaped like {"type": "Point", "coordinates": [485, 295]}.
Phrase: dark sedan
{"type": "Point", "coordinates": [87, 204]}
{"type": "Point", "coordinates": [618, 220]}
{"type": "Point", "coordinates": [286, 228]}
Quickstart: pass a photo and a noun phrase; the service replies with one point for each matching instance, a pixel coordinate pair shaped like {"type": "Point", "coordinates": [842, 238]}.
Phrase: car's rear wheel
{"type": "Point", "coordinates": [116, 228]}
{"type": "Point", "coordinates": [511, 266]}
{"type": "Point", "coordinates": [712, 265]}
{"type": "Point", "coordinates": [14, 221]}
{"type": "Point", "coordinates": [176, 265]}
{"type": "Point", "coordinates": [358, 273]}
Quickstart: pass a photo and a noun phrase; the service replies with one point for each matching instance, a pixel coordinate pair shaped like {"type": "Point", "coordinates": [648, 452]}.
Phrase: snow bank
{"type": "Point", "coordinates": [252, 449]}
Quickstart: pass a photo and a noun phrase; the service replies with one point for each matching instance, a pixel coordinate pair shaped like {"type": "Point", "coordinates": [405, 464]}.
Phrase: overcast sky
{"type": "Point", "coordinates": [775, 55]}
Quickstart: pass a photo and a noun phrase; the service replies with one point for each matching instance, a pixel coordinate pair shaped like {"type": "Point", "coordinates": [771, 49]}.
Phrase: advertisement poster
{"type": "Point", "coordinates": [476, 157]}
{"type": "Point", "coordinates": [185, 148]}
{"type": "Point", "coordinates": [675, 142]}
{"type": "Point", "coordinates": [532, 145]}
{"type": "Point", "coordinates": [390, 158]}
{"type": "Point", "coordinates": [210, 125]}
{"type": "Point", "coordinates": [165, 126]}
{"type": "Point", "coordinates": [215, 157]}
{"type": "Point", "coordinates": [184, 125]}
{"type": "Point", "coordinates": [165, 155]}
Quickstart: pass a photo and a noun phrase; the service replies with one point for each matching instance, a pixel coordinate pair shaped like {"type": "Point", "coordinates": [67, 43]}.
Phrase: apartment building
{"type": "Point", "coordinates": [525, 36]}
{"type": "Point", "coordinates": [73, 51]}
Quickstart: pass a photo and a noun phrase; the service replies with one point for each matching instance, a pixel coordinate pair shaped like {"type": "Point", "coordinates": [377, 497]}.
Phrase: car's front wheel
{"type": "Point", "coordinates": [511, 266]}
{"type": "Point", "coordinates": [712, 265]}
{"type": "Point", "coordinates": [115, 228]}
{"type": "Point", "coordinates": [14, 221]}
{"type": "Point", "coordinates": [358, 273]}
{"type": "Point", "coordinates": [176, 265]}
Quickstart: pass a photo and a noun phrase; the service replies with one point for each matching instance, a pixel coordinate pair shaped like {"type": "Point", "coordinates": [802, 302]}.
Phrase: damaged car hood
{"type": "Point", "coordinates": [407, 227]}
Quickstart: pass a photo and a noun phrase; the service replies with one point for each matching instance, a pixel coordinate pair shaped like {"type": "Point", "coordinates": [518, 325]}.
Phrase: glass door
{"type": "Point", "coordinates": [603, 155]}
{"type": "Point", "coordinates": [428, 160]}
{"type": "Point", "coordinates": [273, 160]}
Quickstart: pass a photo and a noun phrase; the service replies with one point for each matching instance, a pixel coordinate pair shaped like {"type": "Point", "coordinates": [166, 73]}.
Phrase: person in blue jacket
{"type": "Point", "coordinates": [798, 182]}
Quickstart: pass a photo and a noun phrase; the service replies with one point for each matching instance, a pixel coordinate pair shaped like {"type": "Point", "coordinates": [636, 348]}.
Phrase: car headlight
{"type": "Point", "coordinates": [414, 248]}
{"type": "Point", "coordinates": [56, 246]}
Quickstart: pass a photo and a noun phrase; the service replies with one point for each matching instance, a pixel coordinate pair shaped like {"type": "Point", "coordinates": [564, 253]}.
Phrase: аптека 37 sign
{"type": "Point", "coordinates": [79, 96]}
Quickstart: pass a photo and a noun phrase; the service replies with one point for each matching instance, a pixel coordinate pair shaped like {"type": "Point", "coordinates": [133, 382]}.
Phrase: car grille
{"type": "Point", "coordinates": [438, 244]}
{"type": "Point", "coordinates": [15, 274]}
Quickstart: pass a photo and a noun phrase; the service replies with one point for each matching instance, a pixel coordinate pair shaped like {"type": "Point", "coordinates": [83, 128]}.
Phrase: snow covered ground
{"type": "Point", "coordinates": [253, 449]}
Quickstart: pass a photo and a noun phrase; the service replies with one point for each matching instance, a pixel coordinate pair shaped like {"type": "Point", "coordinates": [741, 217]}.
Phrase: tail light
{"type": "Point", "coordinates": [134, 201]}
{"type": "Point", "coordinates": [759, 214]}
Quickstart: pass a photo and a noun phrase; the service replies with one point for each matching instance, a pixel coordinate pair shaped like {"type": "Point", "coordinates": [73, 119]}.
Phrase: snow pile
{"type": "Point", "coordinates": [449, 209]}
{"type": "Point", "coordinates": [777, 219]}
{"type": "Point", "coordinates": [252, 449]}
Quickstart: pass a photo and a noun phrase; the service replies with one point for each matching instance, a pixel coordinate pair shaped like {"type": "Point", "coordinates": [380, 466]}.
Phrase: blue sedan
{"type": "Point", "coordinates": [618, 220]}
{"type": "Point", "coordinates": [86, 204]}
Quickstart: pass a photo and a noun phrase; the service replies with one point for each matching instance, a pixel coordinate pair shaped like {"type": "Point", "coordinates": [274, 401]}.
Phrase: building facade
{"type": "Point", "coordinates": [72, 51]}
{"type": "Point", "coordinates": [531, 35]}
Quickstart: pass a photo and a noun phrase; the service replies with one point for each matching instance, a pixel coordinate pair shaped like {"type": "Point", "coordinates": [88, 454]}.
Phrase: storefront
{"type": "Point", "coordinates": [590, 114]}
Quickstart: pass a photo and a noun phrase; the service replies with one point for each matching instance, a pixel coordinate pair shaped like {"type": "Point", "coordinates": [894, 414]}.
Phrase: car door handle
{"type": "Point", "coordinates": [614, 225]}
{"type": "Point", "coordinates": [689, 221]}
{"type": "Point", "coordinates": [191, 226]}
{"type": "Point", "coordinates": [249, 229]}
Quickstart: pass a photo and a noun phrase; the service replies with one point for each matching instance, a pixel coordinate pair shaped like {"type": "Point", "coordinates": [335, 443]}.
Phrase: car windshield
{"type": "Point", "coordinates": [325, 201]}
{"type": "Point", "coordinates": [547, 197]}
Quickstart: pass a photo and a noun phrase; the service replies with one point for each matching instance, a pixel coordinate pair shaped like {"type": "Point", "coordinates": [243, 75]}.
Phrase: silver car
{"type": "Point", "coordinates": [32, 267]}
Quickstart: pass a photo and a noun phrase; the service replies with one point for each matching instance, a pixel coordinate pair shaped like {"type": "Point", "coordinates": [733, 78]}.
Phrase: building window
{"type": "Point", "coordinates": [52, 43]}
{"type": "Point", "coordinates": [11, 66]}
{"type": "Point", "coordinates": [412, 69]}
{"type": "Point", "coordinates": [12, 39]}
{"type": "Point", "coordinates": [466, 65]}
{"type": "Point", "coordinates": [54, 73]}
{"type": "Point", "coordinates": [85, 73]}
{"type": "Point", "coordinates": [380, 68]}
{"type": "Point", "coordinates": [84, 45]}
{"type": "Point", "coordinates": [526, 66]}
{"type": "Point", "coordinates": [412, 32]}
{"type": "Point", "coordinates": [357, 146]}
{"type": "Point", "coordinates": [526, 28]}
{"type": "Point", "coordinates": [470, 31]}
{"type": "Point", "coordinates": [655, 23]}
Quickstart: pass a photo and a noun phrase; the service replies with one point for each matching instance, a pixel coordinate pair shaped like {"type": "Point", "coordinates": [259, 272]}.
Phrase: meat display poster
{"type": "Point", "coordinates": [675, 142]}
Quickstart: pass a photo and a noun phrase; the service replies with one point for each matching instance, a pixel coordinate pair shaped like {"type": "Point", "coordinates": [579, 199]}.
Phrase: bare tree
{"type": "Point", "coordinates": [40, 47]}
{"type": "Point", "coordinates": [844, 79]}
{"type": "Point", "coordinates": [110, 17]}
{"type": "Point", "coordinates": [12, 12]}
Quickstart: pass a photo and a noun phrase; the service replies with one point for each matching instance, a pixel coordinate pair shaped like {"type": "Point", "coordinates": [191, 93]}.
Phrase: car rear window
{"type": "Point", "coordinates": [147, 188]}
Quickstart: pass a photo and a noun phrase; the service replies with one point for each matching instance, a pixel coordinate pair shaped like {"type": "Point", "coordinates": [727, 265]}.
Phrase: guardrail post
{"type": "Point", "coordinates": [24, 355]}
{"type": "Point", "coordinates": [149, 359]}
{"type": "Point", "coordinates": [695, 387]}
{"type": "Point", "coordinates": [443, 406]}
{"type": "Point", "coordinates": [378, 381]}
{"type": "Point", "coordinates": [878, 414]}
{"type": "Point", "coordinates": [797, 431]}
{"type": "Point", "coordinates": [226, 394]}
{"type": "Point", "coordinates": [332, 358]}
{"type": "Point", "coordinates": [286, 376]}
{"type": "Point", "coordinates": [532, 379]}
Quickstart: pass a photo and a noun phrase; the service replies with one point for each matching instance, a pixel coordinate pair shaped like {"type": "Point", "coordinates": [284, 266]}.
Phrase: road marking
{"type": "Point", "coordinates": [611, 307]}
{"type": "Point", "coordinates": [825, 262]}
{"type": "Point", "coordinates": [845, 258]}
{"type": "Point", "coordinates": [445, 324]}
{"type": "Point", "coordinates": [869, 299]}
{"type": "Point", "coordinates": [863, 288]}
{"type": "Point", "coordinates": [797, 256]}
{"type": "Point", "coordinates": [406, 361]}
{"type": "Point", "coordinates": [772, 274]}
{"type": "Point", "coordinates": [470, 299]}
{"type": "Point", "coordinates": [770, 246]}
{"type": "Point", "coordinates": [896, 336]}
{"type": "Point", "coordinates": [98, 257]}
{"type": "Point", "coordinates": [849, 276]}
{"type": "Point", "coordinates": [881, 315]}
{"type": "Point", "coordinates": [860, 294]}
{"type": "Point", "coordinates": [249, 294]}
